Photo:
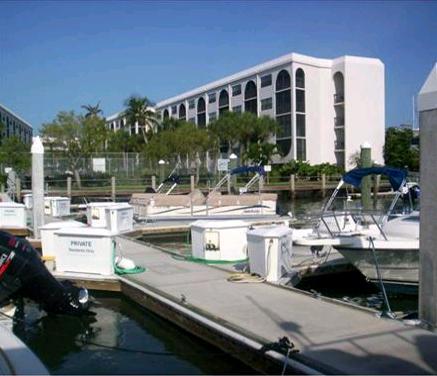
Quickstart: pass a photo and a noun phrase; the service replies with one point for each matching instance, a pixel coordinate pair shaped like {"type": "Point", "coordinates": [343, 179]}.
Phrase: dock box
{"type": "Point", "coordinates": [223, 240]}
{"type": "Point", "coordinates": [84, 250]}
{"type": "Point", "coordinates": [48, 244]}
{"type": "Point", "coordinates": [119, 218]}
{"type": "Point", "coordinates": [270, 251]}
{"type": "Point", "coordinates": [96, 215]}
{"type": "Point", "coordinates": [57, 206]}
{"type": "Point", "coordinates": [12, 215]}
{"type": "Point", "coordinates": [28, 200]}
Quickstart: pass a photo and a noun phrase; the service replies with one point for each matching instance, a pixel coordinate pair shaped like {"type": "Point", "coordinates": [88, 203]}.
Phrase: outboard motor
{"type": "Point", "coordinates": [22, 273]}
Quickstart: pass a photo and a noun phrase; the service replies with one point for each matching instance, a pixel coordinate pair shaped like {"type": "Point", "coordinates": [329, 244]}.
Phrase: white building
{"type": "Point", "coordinates": [118, 121]}
{"type": "Point", "coordinates": [326, 108]}
{"type": "Point", "coordinates": [14, 125]}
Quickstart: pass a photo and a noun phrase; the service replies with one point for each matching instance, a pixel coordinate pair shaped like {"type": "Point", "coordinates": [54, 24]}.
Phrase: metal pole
{"type": "Point", "coordinates": [366, 161]}
{"type": "Point", "coordinates": [389, 312]}
{"type": "Point", "coordinates": [37, 151]}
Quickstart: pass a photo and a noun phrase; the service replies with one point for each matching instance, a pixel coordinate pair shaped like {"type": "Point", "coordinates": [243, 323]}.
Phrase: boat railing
{"type": "Point", "coordinates": [347, 222]}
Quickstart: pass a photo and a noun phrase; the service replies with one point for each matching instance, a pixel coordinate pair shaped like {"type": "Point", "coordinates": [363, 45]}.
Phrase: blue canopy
{"type": "Point", "coordinates": [244, 169]}
{"type": "Point", "coordinates": [396, 176]}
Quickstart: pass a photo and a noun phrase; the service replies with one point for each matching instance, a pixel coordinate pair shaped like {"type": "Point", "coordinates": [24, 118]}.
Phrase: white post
{"type": "Point", "coordinates": [427, 106]}
{"type": "Point", "coordinates": [37, 151]}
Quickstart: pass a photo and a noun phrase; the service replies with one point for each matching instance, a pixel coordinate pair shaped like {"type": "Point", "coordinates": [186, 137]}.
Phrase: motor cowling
{"type": "Point", "coordinates": [22, 273]}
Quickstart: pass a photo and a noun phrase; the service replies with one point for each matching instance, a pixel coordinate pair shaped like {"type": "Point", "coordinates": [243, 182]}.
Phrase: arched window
{"type": "Point", "coordinates": [201, 114]}
{"type": "Point", "coordinates": [339, 87]}
{"type": "Point", "coordinates": [165, 115]}
{"type": "Point", "coordinates": [250, 98]}
{"type": "Point", "coordinates": [182, 112]}
{"type": "Point", "coordinates": [300, 115]}
{"type": "Point", "coordinates": [339, 120]}
{"type": "Point", "coordinates": [283, 80]}
{"type": "Point", "coordinates": [283, 112]}
{"type": "Point", "coordinates": [223, 101]}
{"type": "Point", "coordinates": [300, 78]}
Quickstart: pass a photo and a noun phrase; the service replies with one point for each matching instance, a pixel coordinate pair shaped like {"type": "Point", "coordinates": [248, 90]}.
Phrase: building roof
{"type": "Point", "coordinates": [3, 107]}
{"type": "Point", "coordinates": [115, 116]}
{"type": "Point", "coordinates": [428, 93]}
{"type": "Point", "coordinates": [271, 64]}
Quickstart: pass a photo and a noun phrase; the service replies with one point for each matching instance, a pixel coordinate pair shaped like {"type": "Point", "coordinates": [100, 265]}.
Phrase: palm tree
{"type": "Point", "coordinates": [139, 112]}
{"type": "Point", "coordinates": [92, 110]}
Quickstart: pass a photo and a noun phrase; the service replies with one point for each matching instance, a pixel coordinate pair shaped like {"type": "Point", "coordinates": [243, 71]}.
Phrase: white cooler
{"type": "Point", "coordinates": [95, 213]}
{"type": "Point", "coordinates": [223, 240]}
{"type": "Point", "coordinates": [12, 215]}
{"type": "Point", "coordinates": [270, 250]}
{"type": "Point", "coordinates": [60, 206]}
{"type": "Point", "coordinates": [84, 250]}
{"type": "Point", "coordinates": [48, 244]}
{"type": "Point", "coordinates": [119, 218]}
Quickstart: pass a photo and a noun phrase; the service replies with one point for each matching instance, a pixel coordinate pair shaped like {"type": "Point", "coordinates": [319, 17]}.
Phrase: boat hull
{"type": "Point", "coordinates": [398, 261]}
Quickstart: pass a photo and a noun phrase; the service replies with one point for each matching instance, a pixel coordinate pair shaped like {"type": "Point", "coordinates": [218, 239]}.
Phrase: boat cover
{"type": "Point", "coordinates": [396, 176]}
{"type": "Point", "coordinates": [244, 169]}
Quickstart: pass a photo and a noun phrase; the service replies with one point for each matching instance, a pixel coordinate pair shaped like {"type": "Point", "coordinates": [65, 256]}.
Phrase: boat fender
{"type": "Point", "coordinates": [124, 263]}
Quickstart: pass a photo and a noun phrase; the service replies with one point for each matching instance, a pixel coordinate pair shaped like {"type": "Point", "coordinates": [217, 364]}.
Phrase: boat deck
{"type": "Point", "coordinates": [331, 338]}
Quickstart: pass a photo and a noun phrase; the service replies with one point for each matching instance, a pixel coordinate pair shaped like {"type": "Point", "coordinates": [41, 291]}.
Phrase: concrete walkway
{"type": "Point", "coordinates": [331, 337]}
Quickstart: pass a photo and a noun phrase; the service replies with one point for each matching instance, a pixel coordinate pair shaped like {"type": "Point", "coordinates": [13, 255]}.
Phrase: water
{"type": "Point", "coordinates": [122, 338]}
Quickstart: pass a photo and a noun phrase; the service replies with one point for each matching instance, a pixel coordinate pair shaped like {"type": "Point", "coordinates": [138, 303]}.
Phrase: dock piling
{"type": "Point", "coordinates": [37, 151]}
{"type": "Point", "coordinates": [69, 186]}
{"type": "Point", "coordinates": [366, 161]}
{"type": "Point", "coordinates": [113, 188]}
{"type": "Point", "coordinates": [292, 185]}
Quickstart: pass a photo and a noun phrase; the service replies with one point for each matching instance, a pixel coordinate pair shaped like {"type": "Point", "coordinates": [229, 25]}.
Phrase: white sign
{"type": "Point", "coordinates": [267, 168]}
{"type": "Point", "coordinates": [99, 165]}
{"type": "Point", "coordinates": [222, 164]}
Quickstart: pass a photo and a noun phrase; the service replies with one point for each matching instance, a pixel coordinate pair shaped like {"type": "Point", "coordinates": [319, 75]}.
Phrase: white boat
{"type": "Point", "coordinates": [388, 242]}
{"type": "Point", "coordinates": [196, 206]}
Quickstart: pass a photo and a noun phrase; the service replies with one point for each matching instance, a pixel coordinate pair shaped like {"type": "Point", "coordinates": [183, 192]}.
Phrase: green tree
{"type": "Point", "coordinates": [139, 111]}
{"type": "Point", "coordinates": [14, 153]}
{"type": "Point", "coordinates": [261, 152]}
{"type": "Point", "coordinates": [398, 149]}
{"type": "Point", "coordinates": [92, 111]}
{"type": "Point", "coordinates": [75, 137]}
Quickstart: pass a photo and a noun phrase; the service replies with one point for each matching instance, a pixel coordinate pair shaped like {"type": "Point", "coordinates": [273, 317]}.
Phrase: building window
{"type": "Point", "coordinates": [236, 90]}
{"type": "Point", "coordinates": [236, 109]}
{"type": "Point", "coordinates": [283, 80]}
{"type": "Point", "coordinates": [284, 126]}
{"type": "Point", "coordinates": [266, 80]}
{"type": "Point", "coordinates": [250, 98]}
{"type": "Point", "coordinates": [300, 125]}
{"type": "Point", "coordinates": [223, 101]}
{"type": "Point", "coordinates": [283, 102]}
{"type": "Point", "coordinates": [212, 116]}
{"type": "Point", "coordinates": [211, 98]}
{"type": "Point", "coordinates": [300, 100]}
{"type": "Point", "coordinates": [166, 114]}
{"type": "Point", "coordinates": [182, 112]}
{"type": "Point", "coordinates": [266, 104]}
{"type": "Point", "coordinates": [300, 78]}
{"type": "Point", "coordinates": [191, 104]}
{"type": "Point", "coordinates": [283, 112]}
{"type": "Point", "coordinates": [300, 149]}
{"type": "Point", "coordinates": [201, 113]}
{"type": "Point", "coordinates": [173, 110]}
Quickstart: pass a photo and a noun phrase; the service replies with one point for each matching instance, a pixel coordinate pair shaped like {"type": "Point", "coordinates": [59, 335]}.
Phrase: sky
{"type": "Point", "coordinates": [60, 55]}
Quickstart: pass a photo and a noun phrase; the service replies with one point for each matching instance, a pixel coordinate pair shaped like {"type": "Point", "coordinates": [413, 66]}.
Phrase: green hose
{"type": "Point", "coordinates": [121, 271]}
{"type": "Point", "coordinates": [204, 261]}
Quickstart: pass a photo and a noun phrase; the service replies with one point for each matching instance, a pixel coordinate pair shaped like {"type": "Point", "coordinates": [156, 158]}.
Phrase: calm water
{"type": "Point", "coordinates": [122, 338]}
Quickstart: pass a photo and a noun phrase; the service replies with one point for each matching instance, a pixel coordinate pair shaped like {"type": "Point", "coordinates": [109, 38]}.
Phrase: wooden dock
{"type": "Point", "coordinates": [242, 319]}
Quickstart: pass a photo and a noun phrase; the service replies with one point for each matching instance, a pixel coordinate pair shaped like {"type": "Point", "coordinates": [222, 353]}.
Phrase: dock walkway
{"type": "Point", "coordinates": [331, 338]}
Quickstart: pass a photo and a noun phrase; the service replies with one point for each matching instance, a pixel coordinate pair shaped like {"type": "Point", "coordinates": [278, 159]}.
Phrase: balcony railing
{"type": "Point", "coordinates": [338, 98]}
{"type": "Point", "coordinates": [339, 121]}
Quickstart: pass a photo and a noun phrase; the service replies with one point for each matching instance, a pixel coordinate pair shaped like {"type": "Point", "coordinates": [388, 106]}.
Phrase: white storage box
{"type": "Point", "coordinates": [270, 251]}
{"type": "Point", "coordinates": [95, 212]}
{"type": "Point", "coordinates": [223, 240]}
{"type": "Point", "coordinates": [48, 235]}
{"type": "Point", "coordinates": [28, 200]}
{"type": "Point", "coordinates": [84, 250]}
{"type": "Point", "coordinates": [119, 218]}
{"type": "Point", "coordinates": [60, 206]}
{"type": "Point", "coordinates": [12, 215]}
